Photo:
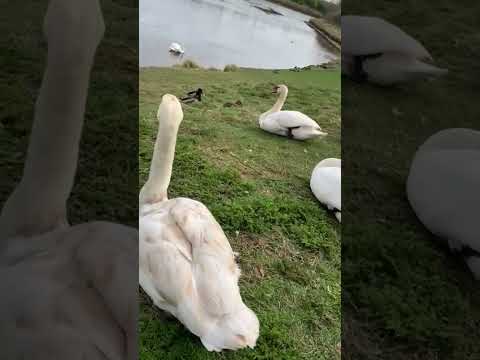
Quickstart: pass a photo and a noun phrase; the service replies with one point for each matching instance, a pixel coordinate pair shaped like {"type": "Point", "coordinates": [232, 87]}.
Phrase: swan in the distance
{"type": "Point", "coordinates": [176, 48]}
{"type": "Point", "coordinates": [326, 185]}
{"type": "Point", "coordinates": [292, 124]}
{"type": "Point", "coordinates": [443, 190]}
{"type": "Point", "coordinates": [377, 51]}
{"type": "Point", "coordinates": [187, 266]}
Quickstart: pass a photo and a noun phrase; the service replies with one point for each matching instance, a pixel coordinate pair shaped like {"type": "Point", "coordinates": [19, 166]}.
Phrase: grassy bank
{"type": "Point", "coordinates": [325, 17]}
{"type": "Point", "coordinates": [328, 30]}
{"type": "Point", "coordinates": [257, 186]}
{"type": "Point", "coordinates": [404, 297]}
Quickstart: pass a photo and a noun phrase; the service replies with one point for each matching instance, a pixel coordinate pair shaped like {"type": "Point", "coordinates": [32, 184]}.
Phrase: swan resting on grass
{"type": "Point", "coordinates": [443, 190]}
{"type": "Point", "coordinates": [292, 124]}
{"type": "Point", "coordinates": [187, 266]}
{"type": "Point", "coordinates": [377, 51]}
{"type": "Point", "coordinates": [326, 185]}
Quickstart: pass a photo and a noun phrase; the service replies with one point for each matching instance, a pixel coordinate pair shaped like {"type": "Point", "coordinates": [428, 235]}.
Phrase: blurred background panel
{"type": "Point", "coordinates": [405, 295]}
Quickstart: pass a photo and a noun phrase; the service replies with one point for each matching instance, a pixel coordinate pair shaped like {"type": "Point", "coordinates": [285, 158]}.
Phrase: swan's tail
{"type": "Point", "coordinates": [321, 133]}
{"type": "Point", "coordinates": [428, 69]}
{"type": "Point", "coordinates": [338, 215]}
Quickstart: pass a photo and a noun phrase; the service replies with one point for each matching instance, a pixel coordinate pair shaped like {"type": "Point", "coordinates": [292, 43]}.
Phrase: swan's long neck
{"type": "Point", "coordinates": [276, 107]}
{"type": "Point", "coordinates": [156, 187]}
{"type": "Point", "coordinates": [38, 203]}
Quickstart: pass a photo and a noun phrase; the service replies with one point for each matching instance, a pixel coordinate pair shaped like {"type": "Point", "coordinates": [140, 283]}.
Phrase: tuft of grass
{"type": "Point", "coordinates": [257, 186]}
{"type": "Point", "coordinates": [230, 67]}
{"type": "Point", "coordinates": [188, 64]}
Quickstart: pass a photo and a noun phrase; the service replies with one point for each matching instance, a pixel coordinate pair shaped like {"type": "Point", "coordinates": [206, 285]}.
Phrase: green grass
{"type": "Point", "coordinates": [402, 294]}
{"type": "Point", "coordinates": [257, 186]}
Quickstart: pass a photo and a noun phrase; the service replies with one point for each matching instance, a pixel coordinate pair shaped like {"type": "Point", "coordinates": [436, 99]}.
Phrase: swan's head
{"type": "Point", "coordinates": [170, 111]}
{"type": "Point", "coordinates": [280, 90]}
{"type": "Point", "coordinates": [233, 332]}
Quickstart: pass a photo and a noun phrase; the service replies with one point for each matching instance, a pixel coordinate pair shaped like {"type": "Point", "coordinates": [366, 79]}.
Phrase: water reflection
{"type": "Point", "coordinates": [219, 32]}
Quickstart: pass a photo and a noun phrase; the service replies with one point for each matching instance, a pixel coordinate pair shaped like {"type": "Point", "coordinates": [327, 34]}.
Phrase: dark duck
{"type": "Point", "coordinates": [193, 96]}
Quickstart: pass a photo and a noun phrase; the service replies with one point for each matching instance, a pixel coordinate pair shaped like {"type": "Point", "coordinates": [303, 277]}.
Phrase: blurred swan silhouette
{"type": "Point", "coordinates": [443, 190]}
{"type": "Point", "coordinates": [377, 51]}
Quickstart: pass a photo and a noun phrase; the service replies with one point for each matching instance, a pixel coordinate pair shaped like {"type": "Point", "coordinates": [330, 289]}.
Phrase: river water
{"type": "Point", "coordinates": [215, 33]}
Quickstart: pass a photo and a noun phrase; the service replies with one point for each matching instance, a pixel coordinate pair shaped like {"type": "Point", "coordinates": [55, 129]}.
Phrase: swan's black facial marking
{"type": "Point", "coordinates": [358, 74]}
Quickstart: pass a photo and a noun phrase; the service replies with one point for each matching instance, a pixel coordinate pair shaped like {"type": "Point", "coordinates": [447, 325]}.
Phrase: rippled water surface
{"type": "Point", "coordinates": [215, 33]}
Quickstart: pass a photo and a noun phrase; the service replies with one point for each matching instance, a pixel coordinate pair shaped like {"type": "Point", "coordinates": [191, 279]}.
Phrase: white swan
{"type": "Point", "coordinates": [443, 190]}
{"type": "Point", "coordinates": [72, 289]}
{"type": "Point", "coordinates": [292, 124]}
{"type": "Point", "coordinates": [377, 51]}
{"type": "Point", "coordinates": [176, 48]}
{"type": "Point", "coordinates": [187, 266]}
{"type": "Point", "coordinates": [326, 184]}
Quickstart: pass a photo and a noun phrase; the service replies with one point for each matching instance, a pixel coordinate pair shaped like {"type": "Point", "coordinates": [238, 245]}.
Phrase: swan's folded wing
{"type": "Point", "coordinates": [215, 272]}
{"type": "Point", "coordinates": [292, 119]}
{"type": "Point", "coordinates": [169, 272]}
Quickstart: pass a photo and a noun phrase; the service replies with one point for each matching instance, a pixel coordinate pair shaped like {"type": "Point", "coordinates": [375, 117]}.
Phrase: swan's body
{"type": "Point", "coordinates": [326, 184]}
{"type": "Point", "coordinates": [68, 292]}
{"type": "Point", "coordinates": [292, 124]}
{"type": "Point", "coordinates": [377, 51]}
{"type": "Point", "coordinates": [443, 190]}
{"type": "Point", "coordinates": [187, 266]}
{"type": "Point", "coordinates": [176, 48]}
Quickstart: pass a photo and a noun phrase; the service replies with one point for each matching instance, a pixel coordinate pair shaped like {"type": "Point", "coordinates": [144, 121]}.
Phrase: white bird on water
{"type": "Point", "coordinates": [176, 48]}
